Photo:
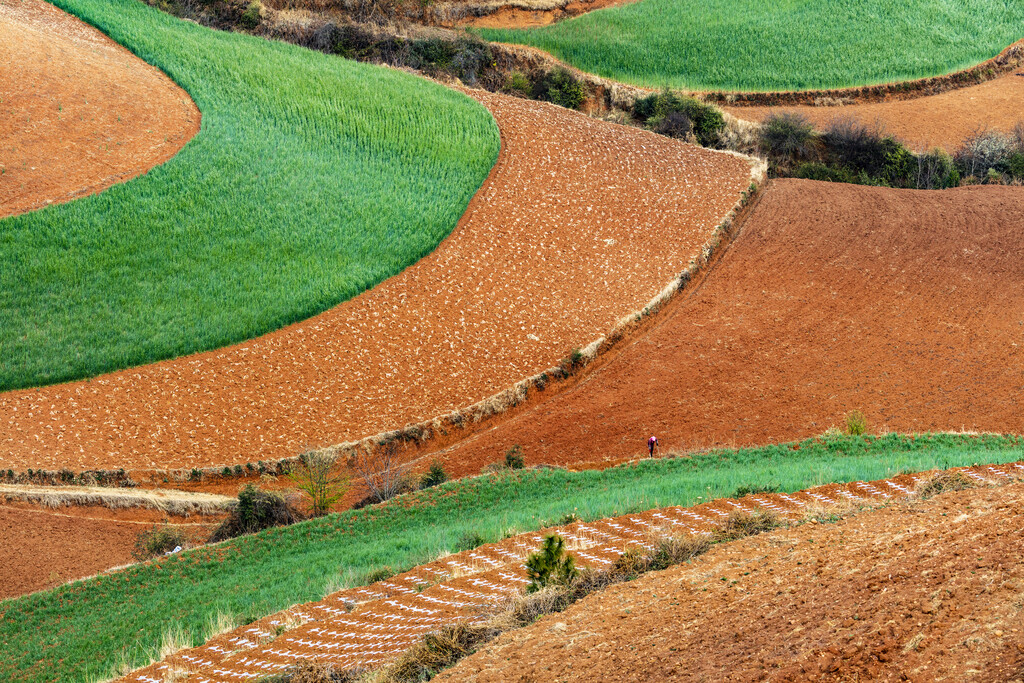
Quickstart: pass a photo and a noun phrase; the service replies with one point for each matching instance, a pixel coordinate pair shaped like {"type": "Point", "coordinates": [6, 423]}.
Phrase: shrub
{"type": "Point", "coordinates": [469, 540]}
{"type": "Point", "coordinates": [754, 489]}
{"type": "Point", "coordinates": [157, 541]}
{"type": "Point", "coordinates": [518, 84]}
{"type": "Point", "coordinates": [572, 362]}
{"type": "Point", "coordinates": [787, 137]}
{"type": "Point", "coordinates": [551, 565]}
{"type": "Point", "coordinates": [742, 524]}
{"type": "Point", "coordinates": [900, 169]}
{"type": "Point", "coordinates": [666, 113]}
{"type": "Point", "coordinates": [936, 171]}
{"type": "Point", "coordinates": [814, 170]}
{"type": "Point", "coordinates": [382, 471]}
{"type": "Point", "coordinates": [676, 550]}
{"type": "Point", "coordinates": [379, 574]}
{"type": "Point", "coordinates": [1015, 165]}
{"type": "Point", "coordinates": [856, 424]}
{"type": "Point", "coordinates": [434, 476]}
{"type": "Point", "coordinates": [256, 510]}
{"type": "Point", "coordinates": [984, 151]}
{"type": "Point", "coordinates": [560, 87]}
{"type": "Point", "coordinates": [196, 474]}
{"type": "Point", "coordinates": [316, 481]}
{"type": "Point", "coordinates": [251, 16]}
{"type": "Point", "coordinates": [854, 145]}
{"type": "Point", "coordinates": [514, 459]}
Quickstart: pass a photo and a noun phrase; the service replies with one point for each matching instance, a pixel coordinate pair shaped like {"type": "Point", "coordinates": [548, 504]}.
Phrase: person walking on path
{"type": "Point", "coordinates": [652, 443]}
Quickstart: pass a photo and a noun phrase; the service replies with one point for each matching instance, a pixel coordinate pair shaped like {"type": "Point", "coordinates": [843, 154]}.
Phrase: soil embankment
{"type": "Point", "coordinates": [943, 120]}
{"type": "Point", "coordinates": [922, 592]}
{"type": "Point", "coordinates": [78, 112]}
{"type": "Point", "coordinates": [907, 305]}
{"type": "Point", "coordinates": [580, 223]}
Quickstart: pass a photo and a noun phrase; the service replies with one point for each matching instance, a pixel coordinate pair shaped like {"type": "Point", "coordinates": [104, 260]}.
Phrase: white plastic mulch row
{"type": "Point", "coordinates": [395, 614]}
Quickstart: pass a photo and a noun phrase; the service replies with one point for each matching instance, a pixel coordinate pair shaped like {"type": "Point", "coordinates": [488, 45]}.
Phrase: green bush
{"type": "Point", "coordinates": [514, 459]}
{"type": "Point", "coordinates": [551, 565]}
{"type": "Point", "coordinates": [664, 112]}
{"type": "Point", "coordinates": [518, 83]}
{"type": "Point", "coordinates": [853, 145]}
{"type": "Point", "coordinates": [434, 476]}
{"type": "Point", "coordinates": [560, 87]}
{"type": "Point", "coordinates": [900, 168]}
{"type": "Point", "coordinates": [256, 510]}
{"type": "Point", "coordinates": [754, 489]}
{"type": "Point", "coordinates": [469, 540]}
{"type": "Point", "coordinates": [379, 574]}
{"type": "Point", "coordinates": [251, 16]}
{"type": "Point", "coordinates": [1015, 165]}
{"type": "Point", "coordinates": [788, 138]}
{"type": "Point", "coordinates": [856, 423]}
{"type": "Point", "coordinates": [815, 170]}
{"type": "Point", "coordinates": [936, 170]}
{"type": "Point", "coordinates": [157, 541]}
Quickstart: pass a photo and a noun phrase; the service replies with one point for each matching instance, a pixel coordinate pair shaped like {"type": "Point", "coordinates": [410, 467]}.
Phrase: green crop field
{"type": "Point", "coordinates": [780, 45]}
{"type": "Point", "coordinates": [80, 631]}
{"type": "Point", "coordinates": [312, 179]}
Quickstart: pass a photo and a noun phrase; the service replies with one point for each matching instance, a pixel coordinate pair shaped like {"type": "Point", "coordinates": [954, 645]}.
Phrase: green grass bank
{"type": "Point", "coordinates": [80, 631]}
{"type": "Point", "coordinates": [781, 45]}
{"type": "Point", "coordinates": [313, 178]}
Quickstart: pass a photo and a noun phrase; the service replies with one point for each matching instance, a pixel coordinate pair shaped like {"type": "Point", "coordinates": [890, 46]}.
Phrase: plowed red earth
{"type": "Point", "coordinates": [942, 120]}
{"type": "Point", "coordinates": [78, 112]}
{"type": "Point", "coordinates": [580, 223]}
{"type": "Point", "coordinates": [41, 548]}
{"type": "Point", "coordinates": [921, 592]}
{"type": "Point", "coordinates": [907, 305]}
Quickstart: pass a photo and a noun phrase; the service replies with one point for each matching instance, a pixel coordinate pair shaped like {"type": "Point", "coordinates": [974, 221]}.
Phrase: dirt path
{"type": "Point", "coordinates": [41, 547]}
{"type": "Point", "coordinates": [927, 592]}
{"type": "Point", "coordinates": [580, 223]}
{"type": "Point", "coordinates": [942, 120]}
{"type": "Point", "coordinates": [907, 305]}
{"type": "Point", "coordinates": [371, 625]}
{"type": "Point", "coordinates": [78, 112]}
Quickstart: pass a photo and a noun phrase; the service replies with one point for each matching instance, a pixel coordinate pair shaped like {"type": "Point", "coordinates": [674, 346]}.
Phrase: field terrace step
{"type": "Point", "coordinates": [372, 625]}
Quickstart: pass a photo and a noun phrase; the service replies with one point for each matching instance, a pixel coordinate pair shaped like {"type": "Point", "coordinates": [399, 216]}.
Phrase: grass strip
{"type": "Point", "coordinates": [77, 632]}
{"type": "Point", "coordinates": [312, 179]}
{"type": "Point", "coordinates": [781, 45]}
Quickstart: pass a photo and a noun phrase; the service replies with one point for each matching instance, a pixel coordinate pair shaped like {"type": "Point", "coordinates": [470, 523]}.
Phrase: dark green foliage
{"type": "Point", "coordinates": [239, 470]}
{"type": "Point", "coordinates": [518, 84]}
{"type": "Point", "coordinates": [256, 510]}
{"type": "Point", "coordinates": [667, 113]}
{"type": "Point", "coordinates": [378, 574]}
{"type": "Point", "coordinates": [1015, 165]}
{"type": "Point", "coordinates": [560, 87]}
{"type": "Point", "coordinates": [551, 565]}
{"type": "Point", "coordinates": [815, 170]}
{"type": "Point", "coordinates": [226, 472]}
{"type": "Point", "coordinates": [157, 541]}
{"type": "Point", "coordinates": [251, 17]}
{"type": "Point", "coordinates": [514, 459]}
{"type": "Point", "coordinates": [936, 170]}
{"type": "Point", "coordinates": [571, 363]}
{"type": "Point", "coordinates": [754, 489]}
{"type": "Point", "coordinates": [900, 169]}
{"type": "Point", "coordinates": [853, 145]}
{"type": "Point", "coordinates": [434, 476]}
{"type": "Point", "coordinates": [788, 138]}
{"type": "Point", "coordinates": [196, 474]}
{"type": "Point", "coordinates": [469, 540]}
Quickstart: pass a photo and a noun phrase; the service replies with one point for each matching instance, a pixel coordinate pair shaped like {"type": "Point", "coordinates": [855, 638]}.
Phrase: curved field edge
{"type": "Point", "coordinates": [312, 179]}
{"type": "Point", "coordinates": [74, 633]}
{"type": "Point", "coordinates": [710, 46]}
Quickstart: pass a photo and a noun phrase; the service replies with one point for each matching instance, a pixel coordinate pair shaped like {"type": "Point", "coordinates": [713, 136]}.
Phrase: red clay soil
{"type": "Point", "coordinates": [78, 112]}
{"type": "Point", "coordinates": [580, 223]}
{"type": "Point", "coordinates": [511, 16]}
{"type": "Point", "coordinates": [930, 591]}
{"type": "Point", "coordinates": [42, 547]}
{"type": "Point", "coordinates": [942, 120]}
{"type": "Point", "coordinates": [905, 304]}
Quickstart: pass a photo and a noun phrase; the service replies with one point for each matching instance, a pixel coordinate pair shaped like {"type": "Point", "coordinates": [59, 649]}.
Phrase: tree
{"type": "Point", "coordinates": [380, 468]}
{"type": "Point", "coordinates": [317, 481]}
{"type": "Point", "coordinates": [550, 565]}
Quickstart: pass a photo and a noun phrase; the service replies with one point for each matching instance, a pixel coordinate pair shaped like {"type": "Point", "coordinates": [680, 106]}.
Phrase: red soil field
{"type": "Point", "coordinates": [78, 112]}
{"type": "Point", "coordinates": [580, 223]}
{"type": "Point", "coordinates": [942, 120]}
{"type": "Point", "coordinates": [43, 547]}
{"type": "Point", "coordinates": [905, 304]}
{"type": "Point", "coordinates": [918, 592]}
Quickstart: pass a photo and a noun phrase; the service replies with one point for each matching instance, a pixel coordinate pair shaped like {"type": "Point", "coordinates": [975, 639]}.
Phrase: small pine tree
{"type": "Point", "coordinates": [434, 476]}
{"type": "Point", "coordinates": [514, 458]}
{"type": "Point", "coordinates": [550, 565]}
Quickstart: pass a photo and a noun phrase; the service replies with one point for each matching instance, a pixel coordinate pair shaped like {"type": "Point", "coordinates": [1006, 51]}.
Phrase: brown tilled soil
{"type": "Point", "coordinates": [942, 120]}
{"type": "Point", "coordinates": [78, 112]}
{"type": "Point", "coordinates": [530, 14]}
{"type": "Point", "coordinates": [580, 223]}
{"type": "Point", "coordinates": [925, 592]}
{"type": "Point", "coordinates": [907, 305]}
{"type": "Point", "coordinates": [43, 547]}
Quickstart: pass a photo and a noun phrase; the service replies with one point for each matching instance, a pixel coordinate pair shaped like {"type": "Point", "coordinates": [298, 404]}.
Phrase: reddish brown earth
{"type": "Point", "coordinates": [42, 547]}
{"type": "Point", "coordinates": [905, 304]}
{"type": "Point", "coordinates": [78, 112]}
{"type": "Point", "coordinates": [512, 16]}
{"type": "Point", "coordinates": [942, 120]}
{"type": "Point", "coordinates": [579, 223]}
{"type": "Point", "coordinates": [923, 591]}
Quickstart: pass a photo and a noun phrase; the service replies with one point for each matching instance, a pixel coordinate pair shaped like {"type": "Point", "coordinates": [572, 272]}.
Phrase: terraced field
{"type": "Point", "coordinates": [312, 179]}
{"type": "Point", "coordinates": [580, 223]}
{"type": "Point", "coordinates": [790, 45]}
